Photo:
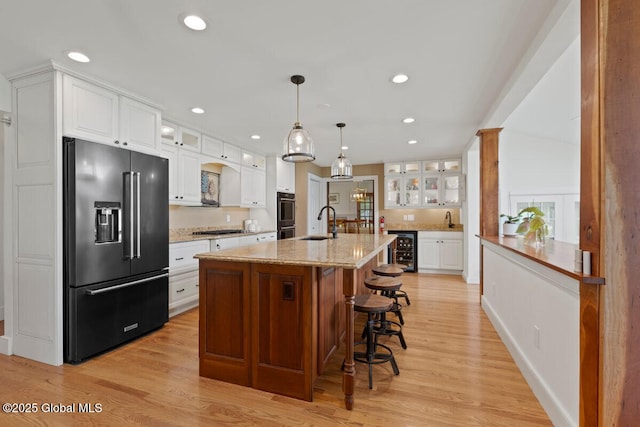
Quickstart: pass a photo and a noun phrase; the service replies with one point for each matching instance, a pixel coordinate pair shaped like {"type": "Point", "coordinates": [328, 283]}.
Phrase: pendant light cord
{"type": "Point", "coordinates": [297, 103]}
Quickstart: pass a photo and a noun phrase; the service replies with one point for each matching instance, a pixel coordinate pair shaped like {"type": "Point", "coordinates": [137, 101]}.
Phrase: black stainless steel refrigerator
{"type": "Point", "coordinates": [116, 246]}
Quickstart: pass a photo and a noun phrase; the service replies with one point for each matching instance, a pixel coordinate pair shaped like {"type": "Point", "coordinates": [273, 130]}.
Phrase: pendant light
{"type": "Point", "coordinates": [298, 147]}
{"type": "Point", "coordinates": [341, 167]}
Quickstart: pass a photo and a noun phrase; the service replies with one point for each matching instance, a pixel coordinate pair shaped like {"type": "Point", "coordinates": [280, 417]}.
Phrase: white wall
{"type": "Point", "coordinates": [5, 106]}
{"type": "Point", "coordinates": [536, 312]}
{"type": "Point", "coordinates": [470, 208]}
{"type": "Point", "coordinates": [347, 207]}
{"type": "Point", "coordinates": [2, 180]}
{"type": "Point", "coordinates": [535, 165]}
{"type": "Point", "coordinates": [5, 94]}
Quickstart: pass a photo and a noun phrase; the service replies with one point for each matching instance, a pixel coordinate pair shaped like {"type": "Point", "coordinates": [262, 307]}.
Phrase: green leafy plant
{"type": "Point", "coordinates": [511, 219]}
{"type": "Point", "coordinates": [533, 224]}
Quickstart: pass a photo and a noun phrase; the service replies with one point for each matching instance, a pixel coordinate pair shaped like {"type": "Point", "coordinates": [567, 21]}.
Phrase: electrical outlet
{"type": "Point", "coordinates": [228, 218]}
{"type": "Point", "coordinates": [536, 337]}
{"type": "Point", "coordinates": [410, 217]}
{"type": "Point", "coordinates": [404, 217]}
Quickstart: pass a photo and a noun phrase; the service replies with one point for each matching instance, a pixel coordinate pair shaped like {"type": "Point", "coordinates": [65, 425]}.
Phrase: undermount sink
{"type": "Point", "coordinates": [315, 238]}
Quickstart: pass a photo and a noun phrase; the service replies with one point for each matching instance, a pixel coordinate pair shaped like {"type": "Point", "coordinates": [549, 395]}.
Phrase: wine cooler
{"type": "Point", "coordinates": [406, 249]}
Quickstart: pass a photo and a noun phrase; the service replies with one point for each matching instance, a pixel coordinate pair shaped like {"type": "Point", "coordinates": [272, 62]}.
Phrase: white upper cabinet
{"type": "Point", "coordinates": [184, 176]}
{"type": "Point", "coordinates": [427, 183]}
{"type": "Point", "coordinates": [221, 150]}
{"type": "Point", "coordinates": [90, 111]}
{"type": "Point", "coordinates": [253, 160]}
{"type": "Point", "coordinates": [253, 188]}
{"type": "Point", "coordinates": [97, 114]}
{"type": "Point", "coordinates": [139, 125]}
{"type": "Point", "coordinates": [447, 165]}
{"type": "Point", "coordinates": [402, 191]}
{"type": "Point", "coordinates": [397, 168]}
{"type": "Point", "coordinates": [285, 176]}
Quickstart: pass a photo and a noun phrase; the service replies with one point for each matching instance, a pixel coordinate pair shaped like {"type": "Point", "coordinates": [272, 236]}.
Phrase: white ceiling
{"type": "Point", "coordinates": [460, 56]}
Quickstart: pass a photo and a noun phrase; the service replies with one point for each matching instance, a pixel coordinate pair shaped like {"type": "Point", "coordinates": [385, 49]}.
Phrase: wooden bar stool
{"type": "Point", "coordinates": [388, 286]}
{"type": "Point", "coordinates": [374, 306]}
{"type": "Point", "coordinates": [392, 270]}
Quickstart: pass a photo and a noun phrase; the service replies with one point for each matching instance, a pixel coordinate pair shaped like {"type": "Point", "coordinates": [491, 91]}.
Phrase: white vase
{"type": "Point", "coordinates": [509, 229]}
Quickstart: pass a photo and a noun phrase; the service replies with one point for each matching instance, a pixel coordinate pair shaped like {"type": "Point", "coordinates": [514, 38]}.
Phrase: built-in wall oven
{"type": "Point", "coordinates": [286, 220]}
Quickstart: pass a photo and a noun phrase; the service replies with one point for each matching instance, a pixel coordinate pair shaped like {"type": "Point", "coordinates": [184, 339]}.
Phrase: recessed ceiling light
{"type": "Point", "coordinates": [197, 110]}
{"type": "Point", "coordinates": [194, 22]}
{"type": "Point", "coordinates": [408, 120]}
{"type": "Point", "coordinates": [344, 147]}
{"type": "Point", "coordinates": [413, 141]}
{"type": "Point", "coordinates": [78, 56]}
{"type": "Point", "coordinates": [255, 136]}
{"type": "Point", "coordinates": [400, 78]}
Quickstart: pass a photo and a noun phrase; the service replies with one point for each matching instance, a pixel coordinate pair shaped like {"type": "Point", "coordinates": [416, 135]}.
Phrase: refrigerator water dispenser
{"type": "Point", "coordinates": [108, 219]}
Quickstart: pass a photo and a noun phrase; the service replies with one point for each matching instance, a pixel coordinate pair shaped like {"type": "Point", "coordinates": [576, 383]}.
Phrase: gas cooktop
{"type": "Point", "coordinates": [218, 232]}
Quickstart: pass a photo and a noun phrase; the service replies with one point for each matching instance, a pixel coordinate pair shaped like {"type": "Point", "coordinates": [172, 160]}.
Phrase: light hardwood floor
{"type": "Point", "coordinates": [455, 372]}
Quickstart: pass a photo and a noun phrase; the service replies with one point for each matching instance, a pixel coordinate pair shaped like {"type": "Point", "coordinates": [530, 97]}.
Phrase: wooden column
{"type": "Point", "coordinates": [349, 285]}
{"type": "Point", "coordinates": [618, 56]}
{"type": "Point", "coordinates": [590, 211]}
{"type": "Point", "coordinates": [489, 186]}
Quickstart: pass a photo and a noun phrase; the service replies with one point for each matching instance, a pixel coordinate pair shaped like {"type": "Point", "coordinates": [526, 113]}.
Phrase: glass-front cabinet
{"type": "Point", "coordinates": [403, 191]}
{"type": "Point", "coordinates": [427, 183]}
{"type": "Point", "coordinates": [441, 190]}
{"type": "Point", "coordinates": [448, 165]}
{"type": "Point", "coordinates": [398, 168]}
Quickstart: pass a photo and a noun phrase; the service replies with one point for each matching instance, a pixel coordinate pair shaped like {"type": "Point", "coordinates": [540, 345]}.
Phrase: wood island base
{"type": "Point", "coordinates": [274, 327]}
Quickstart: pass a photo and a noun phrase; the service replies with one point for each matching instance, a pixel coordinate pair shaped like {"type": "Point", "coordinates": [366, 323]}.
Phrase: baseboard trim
{"type": "Point", "coordinates": [5, 345]}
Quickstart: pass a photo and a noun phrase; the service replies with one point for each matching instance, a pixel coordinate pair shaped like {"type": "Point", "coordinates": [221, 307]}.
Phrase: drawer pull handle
{"type": "Point", "coordinates": [180, 290]}
{"type": "Point", "coordinates": [180, 259]}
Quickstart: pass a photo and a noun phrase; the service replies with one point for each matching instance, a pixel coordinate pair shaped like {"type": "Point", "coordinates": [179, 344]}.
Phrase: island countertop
{"type": "Point", "coordinates": [349, 251]}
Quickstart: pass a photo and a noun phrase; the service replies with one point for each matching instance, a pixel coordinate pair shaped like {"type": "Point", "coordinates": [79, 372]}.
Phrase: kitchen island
{"type": "Point", "coordinates": [272, 314]}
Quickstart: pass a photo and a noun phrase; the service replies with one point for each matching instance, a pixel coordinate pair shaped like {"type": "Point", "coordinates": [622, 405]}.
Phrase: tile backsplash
{"type": "Point", "coordinates": [420, 216]}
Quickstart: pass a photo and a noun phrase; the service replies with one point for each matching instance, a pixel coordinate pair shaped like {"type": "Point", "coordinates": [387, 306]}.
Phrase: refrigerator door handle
{"type": "Point", "coordinates": [124, 285]}
{"type": "Point", "coordinates": [131, 201]}
{"type": "Point", "coordinates": [137, 175]}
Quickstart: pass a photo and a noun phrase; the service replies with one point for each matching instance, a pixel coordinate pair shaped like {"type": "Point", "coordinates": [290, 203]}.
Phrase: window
{"type": "Point", "coordinates": [561, 213]}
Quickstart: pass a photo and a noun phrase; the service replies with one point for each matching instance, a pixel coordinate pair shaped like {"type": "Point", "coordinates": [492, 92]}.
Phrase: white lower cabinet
{"type": "Point", "coordinates": [440, 251]}
{"type": "Point", "coordinates": [183, 275]}
{"type": "Point", "coordinates": [254, 239]}
{"type": "Point", "coordinates": [224, 243]}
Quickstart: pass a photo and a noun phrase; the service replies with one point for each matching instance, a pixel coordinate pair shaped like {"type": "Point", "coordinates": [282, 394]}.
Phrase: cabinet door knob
{"type": "Point", "coordinates": [124, 143]}
{"type": "Point", "coordinates": [116, 142]}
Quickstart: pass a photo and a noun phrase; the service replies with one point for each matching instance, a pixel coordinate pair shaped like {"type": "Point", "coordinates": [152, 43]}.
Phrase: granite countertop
{"type": "Point", "coordinates": [424, 227]}
{"type": "Point", "coordinates": [349, 251]}
{"type": "Point", "coordinates": [186, 234]}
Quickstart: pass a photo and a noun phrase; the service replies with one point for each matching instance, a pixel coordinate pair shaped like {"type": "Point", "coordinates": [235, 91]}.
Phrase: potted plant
{"type": "Point", "coordinates": [533, 225]}
{"type": "Point", "coordinates": [510, 225]}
